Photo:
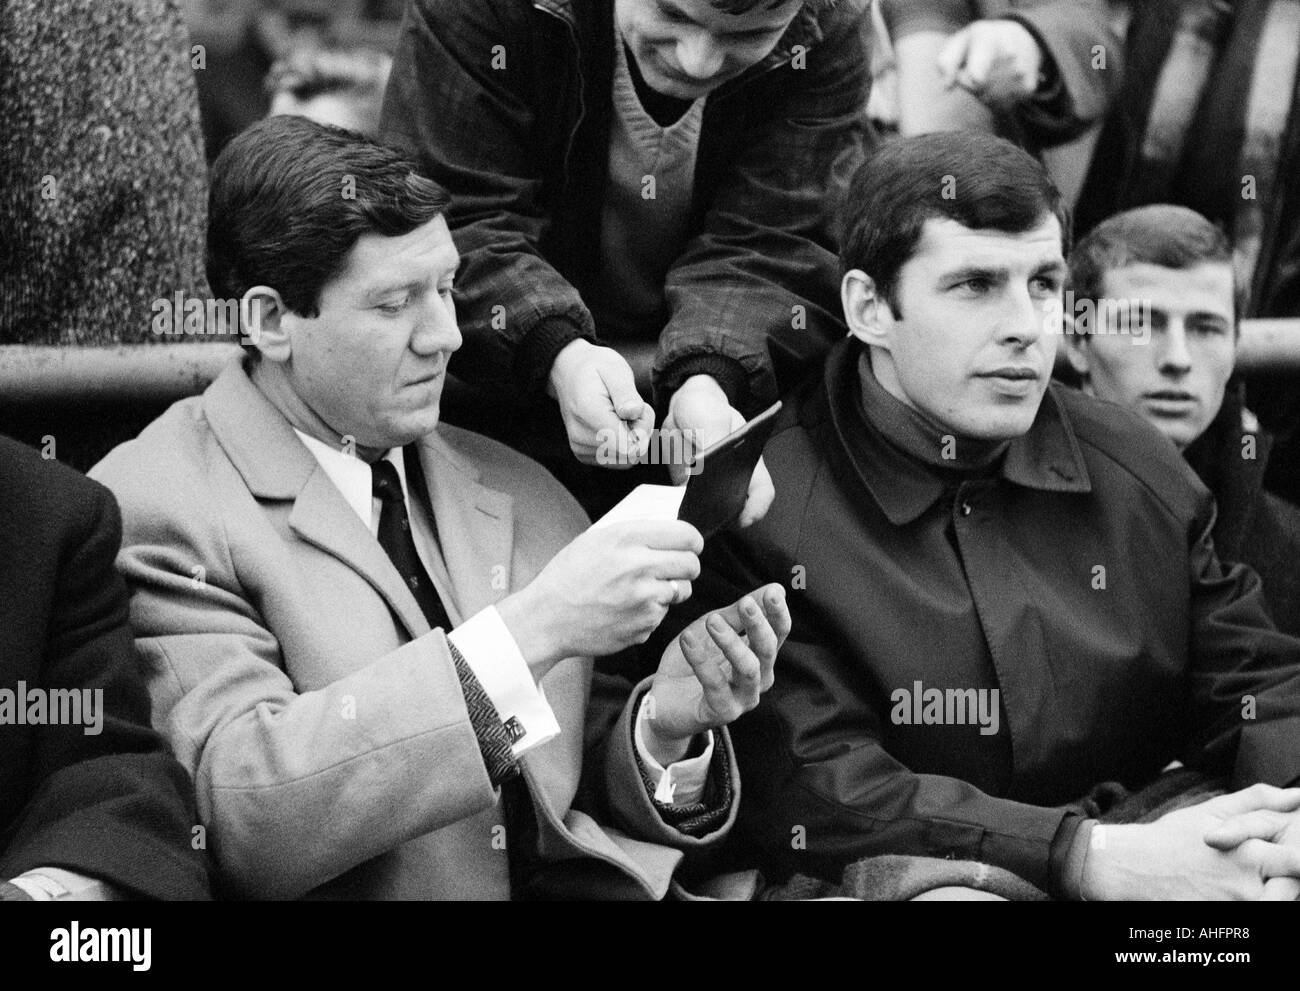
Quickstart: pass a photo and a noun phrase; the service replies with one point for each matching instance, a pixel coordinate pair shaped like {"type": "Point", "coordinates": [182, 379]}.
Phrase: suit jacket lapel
{"type": "Point", "coordinates": [322, 517]}
{"type": "Point", "coordinates": [276, 465]}
{"type": "Point", "coordinates": [475, 529]}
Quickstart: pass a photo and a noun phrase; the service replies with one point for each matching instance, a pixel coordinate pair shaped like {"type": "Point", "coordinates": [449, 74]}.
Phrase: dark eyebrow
{"type": "Point", "coordinates": [379, 292]}
{"type": "Point", "coordinates": [994, 273]}
{"type": "Point", "coordinates": [967, 272]}
{"type": "Point", "coordinates": [411, 285]}
{"type": "Point", "coordinates": [1191, 315]}
{"type": "Point", "coordinates": [1208, 315]}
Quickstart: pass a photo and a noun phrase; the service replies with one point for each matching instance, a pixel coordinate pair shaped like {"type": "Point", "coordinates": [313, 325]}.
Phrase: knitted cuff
{"type": "Point", "coordinates": [729, 373]}
{"type": "Point", "coordinates": [494, 741]}
{"type": "Point", "coordinates": [537, 351]}
{"type": "Point", "coordinates": [711, 811]}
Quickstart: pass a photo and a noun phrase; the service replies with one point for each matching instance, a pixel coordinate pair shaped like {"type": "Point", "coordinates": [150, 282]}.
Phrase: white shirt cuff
{"type": "Point", "coordinates": [492, 654]}
{"type": "Point", "coordinates": [681, 783]}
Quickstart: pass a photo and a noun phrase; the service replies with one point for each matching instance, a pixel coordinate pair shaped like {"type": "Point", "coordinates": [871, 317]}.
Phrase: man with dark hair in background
{"type": "Point", "coordinates": [1156, 326]}
{"type": "Point", "coordinates": [1208, 118]}
{"type": "Point", "coordinates": [1007, 609]}
{"type": "Point", "coordinates": [642, 173]}
{"type": "Point", "coordinates": [369, 634]}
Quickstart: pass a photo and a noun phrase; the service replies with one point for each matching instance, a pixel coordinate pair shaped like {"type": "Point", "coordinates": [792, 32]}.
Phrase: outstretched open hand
{"type": "Point", "coordinates": [715, 671]}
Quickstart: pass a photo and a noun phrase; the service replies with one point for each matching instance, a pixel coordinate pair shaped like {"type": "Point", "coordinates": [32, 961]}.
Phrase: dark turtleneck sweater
{"type": "Point", "coordinates": [954, 459]}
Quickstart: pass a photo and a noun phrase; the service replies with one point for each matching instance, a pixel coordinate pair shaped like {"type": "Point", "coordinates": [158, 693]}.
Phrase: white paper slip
{"type": "Point", "coordinates": [645, 502]}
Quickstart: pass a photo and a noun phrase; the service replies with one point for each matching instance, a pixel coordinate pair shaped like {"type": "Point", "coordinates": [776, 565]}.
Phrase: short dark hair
{"type": "Point", "coordinates": [1159, 234]}
{"type": "Point", "coordinates": [980, 181]}
{"type": "Point", "coordinates": [289, 198]}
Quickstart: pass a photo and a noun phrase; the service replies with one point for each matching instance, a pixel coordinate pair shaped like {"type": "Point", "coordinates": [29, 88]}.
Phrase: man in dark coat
{"type": "Point", "coordinates": [1004, 594]}
{"type": "Point", "coordinates": [92, 804]}
{"type": "Point", "coordinates": [1174, 368]}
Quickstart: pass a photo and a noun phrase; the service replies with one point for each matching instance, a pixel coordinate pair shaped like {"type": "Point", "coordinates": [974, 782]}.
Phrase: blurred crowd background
{"type": "Point", "coordinates": [132, 97]}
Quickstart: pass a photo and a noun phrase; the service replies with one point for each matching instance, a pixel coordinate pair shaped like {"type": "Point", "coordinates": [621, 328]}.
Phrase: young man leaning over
{"type": "Point", "coordinates": [660, 175]}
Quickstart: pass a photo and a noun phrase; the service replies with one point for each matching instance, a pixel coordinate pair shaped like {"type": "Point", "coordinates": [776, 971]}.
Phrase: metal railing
{"type": "Point", "coordinates": [139, 373]}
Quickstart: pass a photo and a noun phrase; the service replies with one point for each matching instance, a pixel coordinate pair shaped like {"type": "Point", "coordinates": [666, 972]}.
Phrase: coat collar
{"type": "Point", "coordinates": [1046, 458]}
{"type": "Point", "coordinates": [475, 524]}
{"type": "Point", "coordinates": [256, 437]}
{"type": "Point", "coordinates": [1236, 482]}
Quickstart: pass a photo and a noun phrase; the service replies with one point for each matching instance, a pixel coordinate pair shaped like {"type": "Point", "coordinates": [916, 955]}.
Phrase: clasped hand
{"type": "Point", "coordinates": [1242, 846]}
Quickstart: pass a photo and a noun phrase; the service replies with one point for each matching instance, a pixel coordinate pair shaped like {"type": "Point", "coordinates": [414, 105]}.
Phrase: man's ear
{"type": "Point", "coordinates": [867, 315]}
{"type": "Point", "coordinates": [1076, 346]}
{"type": "Point", "coordinates": [262, 323]}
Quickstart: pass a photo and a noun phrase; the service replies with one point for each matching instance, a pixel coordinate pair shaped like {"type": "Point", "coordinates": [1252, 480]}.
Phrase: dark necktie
{"type": "Point", "coordinates": [396, 538]}
{"type": "Point", "coordinates": [494, 739]}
